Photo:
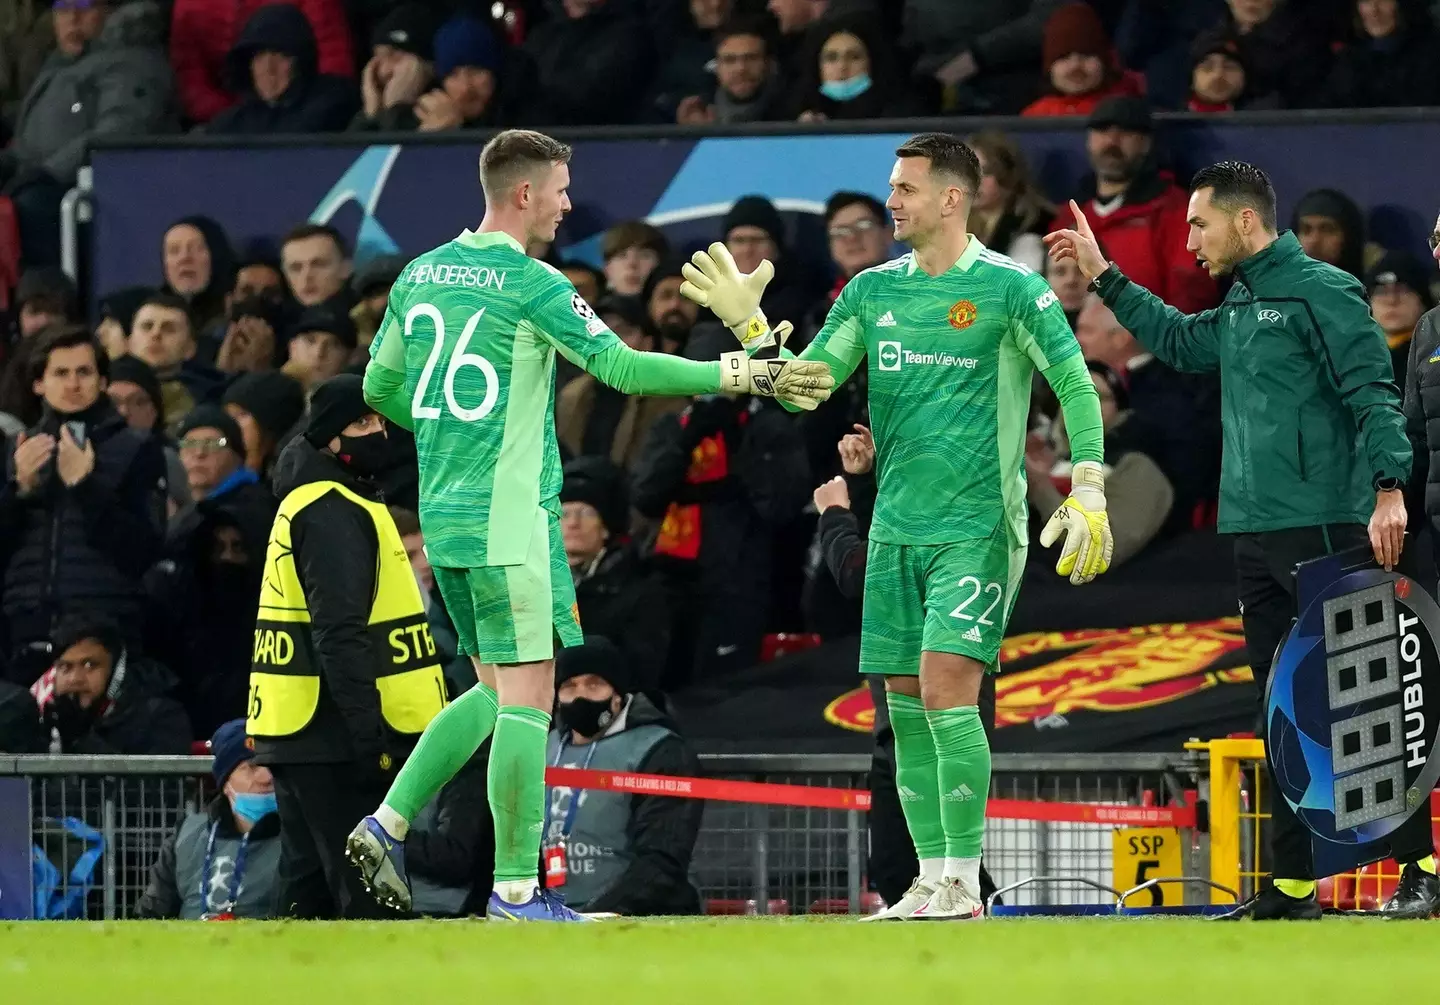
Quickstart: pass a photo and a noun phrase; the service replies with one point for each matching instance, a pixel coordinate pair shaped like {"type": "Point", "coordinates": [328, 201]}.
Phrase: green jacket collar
{"type": "Point", "coordinates": [1263, 265]}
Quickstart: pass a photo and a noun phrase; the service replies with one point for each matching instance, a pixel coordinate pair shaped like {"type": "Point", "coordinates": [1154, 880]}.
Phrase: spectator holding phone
{"type": "Point", "coordinates": [81, 507]}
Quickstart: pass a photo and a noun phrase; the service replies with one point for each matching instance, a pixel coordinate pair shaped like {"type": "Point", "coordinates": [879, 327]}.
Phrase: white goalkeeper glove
{"type": "Point", "coordinates": [1081, 518]}
{"type": "Point", "coordinates": [803, 383]}
{"type": "Point", "coordinates": [713, 280]}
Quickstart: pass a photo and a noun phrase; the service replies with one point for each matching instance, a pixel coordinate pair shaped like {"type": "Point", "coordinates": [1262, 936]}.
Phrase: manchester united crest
{"type": "Point", "coordinates": [962, 315]}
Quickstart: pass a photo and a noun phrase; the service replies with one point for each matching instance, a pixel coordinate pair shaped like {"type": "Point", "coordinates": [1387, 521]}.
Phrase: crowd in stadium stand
{"type": "Point", "coordinates": [131, 556]}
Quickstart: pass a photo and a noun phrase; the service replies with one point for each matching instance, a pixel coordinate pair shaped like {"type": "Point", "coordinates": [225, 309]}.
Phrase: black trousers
{"type": "Point", "coordinates": [319, 805]}
{"type": "Point", "coordinates": [1264, 568]}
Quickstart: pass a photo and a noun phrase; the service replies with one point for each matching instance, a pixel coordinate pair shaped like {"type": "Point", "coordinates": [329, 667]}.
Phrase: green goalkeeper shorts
{"type": "Point", "coordinates": [946, 598]}
{"type": "Point", "coordinates": [514, 613]}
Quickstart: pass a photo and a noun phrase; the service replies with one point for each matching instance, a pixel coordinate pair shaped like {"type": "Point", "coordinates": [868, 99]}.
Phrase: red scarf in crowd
{"type": "Point", "coordinates": [679, 535]}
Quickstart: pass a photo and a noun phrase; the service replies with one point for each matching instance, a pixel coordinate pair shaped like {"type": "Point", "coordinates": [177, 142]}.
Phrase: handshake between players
{"type": "Point", "coordinates": [714, 281]}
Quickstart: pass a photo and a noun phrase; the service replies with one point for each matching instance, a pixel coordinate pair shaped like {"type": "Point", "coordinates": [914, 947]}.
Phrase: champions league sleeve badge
{"type": "Point", "coordinates": [1352, 706]}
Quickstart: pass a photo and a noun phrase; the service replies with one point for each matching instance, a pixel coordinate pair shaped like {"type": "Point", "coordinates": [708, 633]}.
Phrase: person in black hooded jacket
{"type": "Point", "coordinates": [101, 697]}
{"type": "Point", "coordinates": [1331, 229]}
{"type": "Point", "coordinates": [273, 64]}
{"type": "Point", "coordinates": [333, 746]}
{"type": "Point", "coordinates": [199, 267]}
{"type": "Point", "coordinates": [82, 504]}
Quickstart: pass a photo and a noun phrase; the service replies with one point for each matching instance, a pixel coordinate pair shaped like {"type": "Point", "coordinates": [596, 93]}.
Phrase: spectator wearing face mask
{"type": "Point", "coordinates": [266, 407]}
{"type": "Point", "coordinates": [272, 65]}
{"type": "Point", "coordinates": [851, 72]}
{"type": "Point", "coordinates": [82, 506]}
{"type": "Point", "coordinates": [98, 697]}
{"type": "Point", "coordinates": [609, 852]}
{"type": "Point", "coordinates": [222, 862]}
{"type": "Point", "coordinates": [1390, 58]}
{"type": "Point", "coordinates": [1081, 67]}
{"type": "Point", "coordinates": [331, 737]}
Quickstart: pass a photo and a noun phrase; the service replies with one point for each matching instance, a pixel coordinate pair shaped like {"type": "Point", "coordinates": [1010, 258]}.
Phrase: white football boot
{"type": "Point", "coordinates": [951, 901]}
{"type": "Point", "coordinates": [915, 897]}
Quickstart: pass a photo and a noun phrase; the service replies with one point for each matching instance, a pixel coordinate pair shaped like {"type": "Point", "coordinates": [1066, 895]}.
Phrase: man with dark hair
{"type": "Point", "coordinates": [954, 333]}
{"type": "Point", "coordinates": [631, 249]}
{"type": "Point", "coordinates": [1137, 210]}
{"type": "Point", "coordinates": [1315, 441]}
{"type": "Point", "coordinates": [1331, 229]}
{"type": "Point", "coordinates": [82, 507]}
{"type": "Point", "coordinates": [747, 87]}
{"type": "Point", "coordinates": [473, 330]}
{"type": "Point", "coordinates": [99, 696]}
{"type": "Point", "coordinates": [163, 336]}
{"type": "Point", "coordinates": [317, 265]}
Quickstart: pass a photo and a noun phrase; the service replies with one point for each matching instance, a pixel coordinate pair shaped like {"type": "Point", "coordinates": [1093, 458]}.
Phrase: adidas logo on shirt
{"type": "Point", "coordinates": [886, 320]}
{"type": "Point", "coordinates": [907, 794]}
{"type": "Point", "coordinates": [973, 635]}
{"type": "Point", "coordinates": [961, 793]}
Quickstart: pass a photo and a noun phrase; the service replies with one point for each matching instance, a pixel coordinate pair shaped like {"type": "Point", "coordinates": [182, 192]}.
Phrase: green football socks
{"type": "Point", "coordinates": [963, 773]}
{"type": "Point", "coordinates": [916, 778]}
{"type": "Point", "coordinates": [448, 742]}
{"type": "Point", "coordinates": [517, 791]}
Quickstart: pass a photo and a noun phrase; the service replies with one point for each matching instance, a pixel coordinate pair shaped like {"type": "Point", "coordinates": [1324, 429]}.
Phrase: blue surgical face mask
{"type": "Point", "coordinates": [846, 90]}
{"type": "Point", "coordinates": [253, 806]}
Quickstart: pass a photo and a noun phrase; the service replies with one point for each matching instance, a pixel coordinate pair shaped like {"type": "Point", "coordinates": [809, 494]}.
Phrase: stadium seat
{"type": "Point", "coordinates": [772, 647]}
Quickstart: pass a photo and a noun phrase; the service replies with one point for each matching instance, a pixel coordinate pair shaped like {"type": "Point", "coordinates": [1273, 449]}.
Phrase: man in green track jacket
{"type": "Point", "coordinates": [1314, 444]}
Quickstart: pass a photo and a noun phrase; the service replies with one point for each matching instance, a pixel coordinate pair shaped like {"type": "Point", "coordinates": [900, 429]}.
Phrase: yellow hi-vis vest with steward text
{"type": "Point", "coordinates": [284, 675]}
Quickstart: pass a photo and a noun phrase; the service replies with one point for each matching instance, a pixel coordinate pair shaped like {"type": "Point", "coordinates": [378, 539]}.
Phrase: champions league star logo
{"type": "Point", "coordinates": [1353, 706]}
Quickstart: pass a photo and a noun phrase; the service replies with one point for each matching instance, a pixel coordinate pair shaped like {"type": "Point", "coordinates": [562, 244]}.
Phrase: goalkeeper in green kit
{"type": "Point", "coordinates": [953, 333]}
{"type": "Point", "coordinates": [466, 358]}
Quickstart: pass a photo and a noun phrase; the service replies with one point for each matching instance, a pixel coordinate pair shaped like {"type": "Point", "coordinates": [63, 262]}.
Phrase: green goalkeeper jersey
{"type": "Point", "coordinates": [951, 360]}
{"type": "Point", "coordinates": [469, 340]}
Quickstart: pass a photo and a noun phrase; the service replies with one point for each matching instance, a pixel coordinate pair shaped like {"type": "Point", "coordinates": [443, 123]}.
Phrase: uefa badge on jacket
{"type": "Point", "coordinates": [1353, 702]}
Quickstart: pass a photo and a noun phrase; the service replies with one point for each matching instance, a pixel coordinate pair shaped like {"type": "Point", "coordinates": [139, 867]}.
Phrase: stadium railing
{"type": "Point", "coordinates": [751, 858]}
{"type": "Point", "coordinates": [1236, 798]}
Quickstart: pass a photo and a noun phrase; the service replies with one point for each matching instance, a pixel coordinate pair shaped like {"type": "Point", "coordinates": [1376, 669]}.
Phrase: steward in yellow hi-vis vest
{"type": "Point", "coordinates": [345, 674]}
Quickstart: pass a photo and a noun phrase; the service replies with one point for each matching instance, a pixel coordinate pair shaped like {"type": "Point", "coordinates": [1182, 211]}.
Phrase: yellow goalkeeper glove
{"type": "Point", "coordinates": [713, 280]}
{"type": "Point", "coordinates": [1081, 518]}
{"type": "Point", "coordinates": [800, 382]}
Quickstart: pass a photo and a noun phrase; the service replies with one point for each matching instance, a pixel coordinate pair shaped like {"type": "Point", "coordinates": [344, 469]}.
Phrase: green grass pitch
{"type": "Point", "coordinates": [822, 960]}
